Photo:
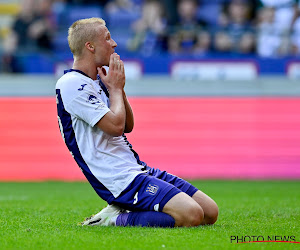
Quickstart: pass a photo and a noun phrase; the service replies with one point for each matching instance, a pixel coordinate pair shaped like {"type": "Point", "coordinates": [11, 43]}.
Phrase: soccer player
{"type": "Point", "coordinates": [94, 115]}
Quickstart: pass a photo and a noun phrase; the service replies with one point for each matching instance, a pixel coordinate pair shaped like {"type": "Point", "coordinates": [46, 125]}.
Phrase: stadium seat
{"type": "Point", "coordinates": [8, 11]}
{"type": "Point", "coordinates": [9, 8]}
{"type": "Point", "coordinates": [209, 13]}
{"type": "Point", "coordinates": [60, 41]}
{"type": "Point", "coordinates": [121, 37]}
{"type": "Point", "coordinates": [73, 13]}
{"type": "Point", "coordinates": [122, 19]}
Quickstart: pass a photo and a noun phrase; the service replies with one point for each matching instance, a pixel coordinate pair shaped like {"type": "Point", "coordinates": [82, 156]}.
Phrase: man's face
{"type": "Point", "coordinates": [104, 46]}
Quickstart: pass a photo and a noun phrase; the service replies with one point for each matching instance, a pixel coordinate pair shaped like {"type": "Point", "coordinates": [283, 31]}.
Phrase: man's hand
{"type": "Point", "coordinates": [115, 79]}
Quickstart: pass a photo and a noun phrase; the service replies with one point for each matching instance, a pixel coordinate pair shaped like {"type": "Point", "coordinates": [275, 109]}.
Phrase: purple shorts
{"type": "Point", "coordinates": [151, 191]}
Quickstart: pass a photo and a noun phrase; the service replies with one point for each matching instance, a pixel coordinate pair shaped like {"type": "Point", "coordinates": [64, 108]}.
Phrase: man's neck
{"type": "Point", "coordinates": [86, 67]}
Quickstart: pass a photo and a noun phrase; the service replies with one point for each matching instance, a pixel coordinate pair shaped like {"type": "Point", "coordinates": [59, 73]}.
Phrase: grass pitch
{"type": "Point", "coordinates": [46, 216]}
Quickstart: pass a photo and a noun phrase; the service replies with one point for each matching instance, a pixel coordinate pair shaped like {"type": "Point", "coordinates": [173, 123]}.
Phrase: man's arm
{"type": "Point", "coordinates": [129, 123]}
{"type": "Point", "coordinates": [113, 122]}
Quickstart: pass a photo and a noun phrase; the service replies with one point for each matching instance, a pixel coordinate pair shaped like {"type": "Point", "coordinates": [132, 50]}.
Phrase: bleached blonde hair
{"type": "Point", "coordinates": [82, 31]}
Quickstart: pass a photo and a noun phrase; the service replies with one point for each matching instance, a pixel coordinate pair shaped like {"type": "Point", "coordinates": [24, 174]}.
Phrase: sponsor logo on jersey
{"type": "Point", "coordinates": [152, 189]}
{"type": "Point", "coordinates": [93, 99]}
{"type": "Point", "coordinates": [82, 87]}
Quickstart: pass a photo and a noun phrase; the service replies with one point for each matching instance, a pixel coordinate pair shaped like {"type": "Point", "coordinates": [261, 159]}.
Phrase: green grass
{"type": "Point", "coordinates": [46, 215]}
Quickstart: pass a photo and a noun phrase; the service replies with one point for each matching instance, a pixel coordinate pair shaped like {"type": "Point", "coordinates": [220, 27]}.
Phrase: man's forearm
{"type": "Point", "coordinates": [117, 106]}
{"type": "Point", "coordinates": [113, 122]}
{"type": "Point", "coordinates": [129, 122]}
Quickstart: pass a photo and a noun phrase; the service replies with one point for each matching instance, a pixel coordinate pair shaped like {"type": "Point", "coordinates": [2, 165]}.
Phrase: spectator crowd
{"type": "Point", "coordinates": [266, 28]}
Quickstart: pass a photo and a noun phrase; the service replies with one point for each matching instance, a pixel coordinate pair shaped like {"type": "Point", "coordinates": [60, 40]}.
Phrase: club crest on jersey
{"type": "Point", "coordinates": [93, 99]}
{"type": "Point", "coordinates": [82, 87]}
{"type": "Point", "coordinates": [152, 189]}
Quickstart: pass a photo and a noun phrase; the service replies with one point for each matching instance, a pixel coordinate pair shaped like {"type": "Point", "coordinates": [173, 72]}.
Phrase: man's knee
{"type": "Point", "coordinates": [185, 211]}
{"type": "Point", "coordinates": [209, 206]}
{"type": "Point", "coordinates": [192, 216]}
{"type": "Point", "coordinates": [211, 214]}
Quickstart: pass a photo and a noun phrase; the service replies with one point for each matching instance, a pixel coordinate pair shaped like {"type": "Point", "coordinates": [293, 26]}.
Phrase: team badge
{"type": "Point", "coordinates": [152, 189]}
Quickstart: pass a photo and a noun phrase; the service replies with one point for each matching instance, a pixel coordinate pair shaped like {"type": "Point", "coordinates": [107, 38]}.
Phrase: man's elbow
{"type": "Point", "coordinates": [112, 130]}
{"type": "Point", "coordinates": [117, 131]}
{"type": "Point", "coordinates": [128, 129]}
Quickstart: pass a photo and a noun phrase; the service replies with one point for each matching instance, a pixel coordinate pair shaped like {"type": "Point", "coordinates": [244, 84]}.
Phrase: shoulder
{"type": "Point", "coordinates": [73, 82]}
{"type": "Point", "coordinates": [71, 85]}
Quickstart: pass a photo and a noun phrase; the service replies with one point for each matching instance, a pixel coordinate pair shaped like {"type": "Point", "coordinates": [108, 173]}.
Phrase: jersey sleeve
{"type": "Point", "coordinates": [84, 103]}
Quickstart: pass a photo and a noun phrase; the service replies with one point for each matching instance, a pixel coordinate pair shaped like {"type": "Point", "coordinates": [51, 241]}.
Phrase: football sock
{"type": "Point", "coordinates": [145, 219]}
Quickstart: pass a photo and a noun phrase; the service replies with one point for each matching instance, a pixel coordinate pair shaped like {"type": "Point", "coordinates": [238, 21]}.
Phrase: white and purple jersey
{"type": "Point", "coordinates": [107, 162]}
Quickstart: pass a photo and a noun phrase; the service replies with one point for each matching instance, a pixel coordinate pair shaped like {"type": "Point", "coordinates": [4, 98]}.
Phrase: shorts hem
{"type": "Point", "coordinates": [171, 193]}
{"type": "Point", "coordinates": [191, 191]}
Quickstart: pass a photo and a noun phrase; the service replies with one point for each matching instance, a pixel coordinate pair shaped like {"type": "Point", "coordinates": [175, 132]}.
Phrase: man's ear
{"type": "Point", "coordinates": [90, 46]}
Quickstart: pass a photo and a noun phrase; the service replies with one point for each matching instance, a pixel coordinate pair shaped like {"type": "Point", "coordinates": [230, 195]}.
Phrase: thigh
{"type": "Point", "coordinates": [181, 184]}
{"type": "Point", "coordinates": [185, 210]}
{"type": "Point", "coordinates": [203, 200]}
{"type": "Point", "coordinates": [146, 193]}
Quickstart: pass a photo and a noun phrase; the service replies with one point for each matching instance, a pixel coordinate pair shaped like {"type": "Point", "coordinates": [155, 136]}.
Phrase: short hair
{"type": "Point", "coordinates": [81, 32]}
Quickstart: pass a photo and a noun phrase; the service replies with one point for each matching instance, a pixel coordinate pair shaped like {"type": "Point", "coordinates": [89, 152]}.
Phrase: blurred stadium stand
{"type": "Point", "coordinates": [149, 47]}
{"type": "Point", "coordinates": [7, 13]}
